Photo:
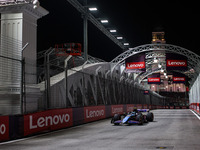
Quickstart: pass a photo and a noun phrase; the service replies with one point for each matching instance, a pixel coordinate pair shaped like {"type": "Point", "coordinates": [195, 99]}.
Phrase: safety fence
{"type": "Point", "coordinates": [18, 77]}
{"type": "Point", "coordinates": [18, 126]}
{"type": "Point", "coordinates": [10, 75]}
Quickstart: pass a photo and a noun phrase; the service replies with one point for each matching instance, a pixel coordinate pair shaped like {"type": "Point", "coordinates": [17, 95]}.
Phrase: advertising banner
{"type": "Point", "coordinates": [130, 107]}
{"type": "Point", "coordinates": [178, 78]}
{"type": "Point", "coordinates": [94, 113]}
{"type": "Point", "coordinates": [136, 63]}
{"type": "Point", "coordinates": [139, 106]}
{"type": "Point", "coordinates": [4, 128]}
{"type": "Point", "coordinates": [117, 109]}
{"type": "Point", "coordinates": [145, 106]}
{"type": "Point", "coordinates": [176, 62]}
{"type": "Point", "coordinates": [154, 78]}
{"type": "Point", "coordinates": [47, 120]}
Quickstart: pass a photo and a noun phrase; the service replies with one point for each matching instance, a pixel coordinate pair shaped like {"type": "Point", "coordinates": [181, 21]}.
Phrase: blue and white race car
{"type": "Point", "coordinates": [137, 116]}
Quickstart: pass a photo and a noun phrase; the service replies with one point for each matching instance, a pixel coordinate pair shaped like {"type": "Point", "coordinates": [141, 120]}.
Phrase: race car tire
{"type": "Point", "coordinates": [140, 119]}
{"type": "Point", "coordinates": [115, 118]}
{"type": "Point", "coordinates": [150, 117]}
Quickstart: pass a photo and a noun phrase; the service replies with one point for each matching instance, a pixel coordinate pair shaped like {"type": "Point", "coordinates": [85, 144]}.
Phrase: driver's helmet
{"type": "Point", "coordinates": [135, 110]}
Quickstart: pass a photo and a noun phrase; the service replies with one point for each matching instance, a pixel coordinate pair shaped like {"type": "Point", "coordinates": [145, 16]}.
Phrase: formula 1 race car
{"type": "Point", "coordinates": [137, 116]}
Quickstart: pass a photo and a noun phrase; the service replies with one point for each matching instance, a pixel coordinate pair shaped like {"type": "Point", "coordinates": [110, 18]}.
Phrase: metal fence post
{"type": "Point", "coordinates": [66, 84]}
{"type": "Point", "coordinates": [23, 95]}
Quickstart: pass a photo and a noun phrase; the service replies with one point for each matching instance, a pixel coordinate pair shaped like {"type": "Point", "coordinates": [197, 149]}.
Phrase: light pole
{"type": "Point", "coordinates": [85, 32]}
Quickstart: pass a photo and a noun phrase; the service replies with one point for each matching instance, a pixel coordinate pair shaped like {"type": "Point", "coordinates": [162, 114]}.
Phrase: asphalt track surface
{"type": "Point", "coordinates": [172, 129]}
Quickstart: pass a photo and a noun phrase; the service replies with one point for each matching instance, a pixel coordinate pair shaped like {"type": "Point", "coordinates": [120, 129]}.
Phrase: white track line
{"type": "Point", "coordinates": [195, 114]}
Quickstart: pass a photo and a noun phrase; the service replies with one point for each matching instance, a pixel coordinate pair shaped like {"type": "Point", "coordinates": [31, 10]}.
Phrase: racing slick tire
{"type": "Point", "coordinates": [115, 118]}
{"type": "Point", "coordinates": [150, 117]}
{"type": "Point", "coordinates": [140, 119]}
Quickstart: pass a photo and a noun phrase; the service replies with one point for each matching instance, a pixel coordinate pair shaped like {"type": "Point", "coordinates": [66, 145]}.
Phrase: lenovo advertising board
{"type": "Point", "coordinates": [4, 128]}
{"type": "Point", "coordinates": [176, 62]}
{"type": "Point", "coordinates": [117, 109]}
{"type": "Point", "coordinates": [47, 120]}
{"type": "Point", "coordinates": [136, 63]}
{"type": "Point", "coordinates": [130, 107]}
{"type": "Point", "coordinates": [154, 78]}
{"type": "Point", "coordinates": [94, 113]}
{"type": "Point", "coordinates": [178, 77]}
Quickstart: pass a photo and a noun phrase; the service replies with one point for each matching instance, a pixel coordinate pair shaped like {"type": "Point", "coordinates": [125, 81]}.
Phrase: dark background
{"type": "Point", "coordinates": [134, 20]}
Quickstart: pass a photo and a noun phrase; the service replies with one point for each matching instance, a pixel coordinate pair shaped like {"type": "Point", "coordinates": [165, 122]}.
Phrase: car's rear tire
{"type": "Point", "coordinates": [150, 117]}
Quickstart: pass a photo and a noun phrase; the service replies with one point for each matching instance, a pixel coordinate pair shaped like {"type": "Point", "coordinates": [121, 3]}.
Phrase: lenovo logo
{"type": "Point", "coordinates": [117, 110]}
{"type": "Point", "coordinates": [2, 129]}
{"type": "Point", "coordinates": [48, 121]}
{"type": "Point", "coordinates": [94, 113]}
{"type": "Point", "coordinates": [135, 65]}
{"type": "Point", "coordinates": [153, 79]}
{"type": "Point", "coordinates": [178, 78]}
{"type": "Point", "coordinates": [176, 63]}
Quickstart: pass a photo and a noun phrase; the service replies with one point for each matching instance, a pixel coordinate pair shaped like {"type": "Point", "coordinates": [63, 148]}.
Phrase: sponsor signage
{"type": "Point", "coordinates": [47, 120]}
{"type": "Point", "coordinates": [136, 63]}
{"type": "Point", "coordinates": [139, 106]}
{"type": "Point", "coordinates": [178, 79]}
{"type": "Point", "coordinates": [154, 79]}
{"type": "Point", "coordinates": [129, 107]}
{"type": "Point", "coordinates": [117, 109]}
{"type": "Point", "coordinates": [94, 113]}
{"type": "Point", "coordinates": [4, 128]}
{"type": "Point", "coordinates": [176, 62]}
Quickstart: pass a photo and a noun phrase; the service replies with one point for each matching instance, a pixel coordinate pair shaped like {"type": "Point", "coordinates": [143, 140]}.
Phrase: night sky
{"type": "Point", "coordinates": [134, 20]}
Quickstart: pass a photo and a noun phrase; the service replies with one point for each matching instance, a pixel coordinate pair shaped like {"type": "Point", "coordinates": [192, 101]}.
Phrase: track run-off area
{"type": "Point", "coordinates": [171, 129]}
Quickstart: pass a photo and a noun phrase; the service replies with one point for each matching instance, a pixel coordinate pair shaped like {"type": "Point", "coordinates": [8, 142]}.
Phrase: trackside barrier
{"type": "Point", "coordinates": [47, 121]}
{"type": "Point", "coordinates": [18, 126]}
{"type": "Point", "coordinates": [4, 128]}
{"type": "Point", "coordinates": [195, 107]}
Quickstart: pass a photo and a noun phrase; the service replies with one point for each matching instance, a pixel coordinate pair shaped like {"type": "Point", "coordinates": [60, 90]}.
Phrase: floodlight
{"type": "Point", "coordinates": [113, 31]}
{"type": "Point", "coordinates": [126, 44]}
{"type": "Point", "coordinates": [104, 21]}
{"type": "Point", "coordinates": [92, 9]}
{"type": "Point", "coordinates": [119, 38]}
